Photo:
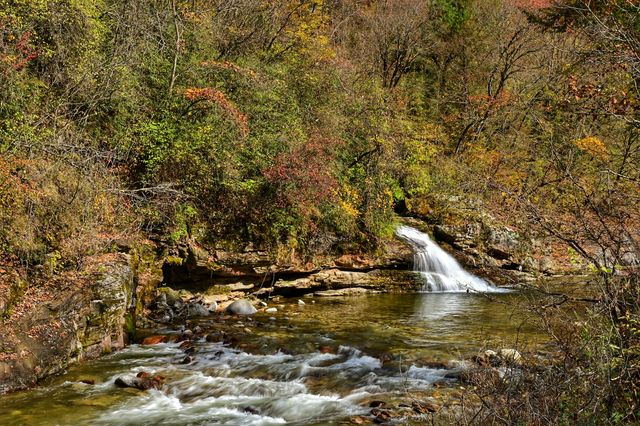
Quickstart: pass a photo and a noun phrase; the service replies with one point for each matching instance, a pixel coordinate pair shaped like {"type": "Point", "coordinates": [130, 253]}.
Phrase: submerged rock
{"type": "Point", "coordinates": [349, 291]}
{"type": "Point", "coordinates": [424, 408]}
{"type": "Point", "coordinates": [251, 410]}
{"type": "Point", "coordinates": [241, 307]}
{"type": "Point", "coordinates": [217, 336]}
{"type": "Point", "coordinates": [380, 416]}
{"type": "Point", "coordinates": [142, 381]}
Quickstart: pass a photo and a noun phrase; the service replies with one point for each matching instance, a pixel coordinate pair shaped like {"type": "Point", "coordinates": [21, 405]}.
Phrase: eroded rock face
{"type": "Point", "coordinates": [483, 244]}
{"type": "Point", "coordinates": [336, 279]}
{"type": "Point", "coordinates": [192, 264]}
{"type": "Point", "coordinates": [59, 321]}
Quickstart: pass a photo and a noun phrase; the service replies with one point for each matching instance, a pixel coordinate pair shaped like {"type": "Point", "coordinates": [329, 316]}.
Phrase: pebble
{"type": "Point", "coordinates": [300, 302]}
{"type": "Point", "coordinates": [271, 310]}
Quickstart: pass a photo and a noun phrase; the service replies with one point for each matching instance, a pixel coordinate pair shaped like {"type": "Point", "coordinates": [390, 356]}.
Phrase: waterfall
{"type": "Point", "coordinates": [441, 272]}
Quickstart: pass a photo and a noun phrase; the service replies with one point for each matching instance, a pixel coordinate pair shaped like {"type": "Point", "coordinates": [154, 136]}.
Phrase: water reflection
{"type": "Point", "coordinates": [436, 306]}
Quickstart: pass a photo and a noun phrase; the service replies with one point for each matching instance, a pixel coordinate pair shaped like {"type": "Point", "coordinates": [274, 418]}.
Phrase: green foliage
{"type": "Point", "coordinates": [454, 13]}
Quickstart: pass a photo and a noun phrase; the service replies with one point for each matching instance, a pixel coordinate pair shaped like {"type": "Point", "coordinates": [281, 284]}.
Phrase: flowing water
{"type": "Point", "coordinates": [440, 271]}
{"type": "Point", "coordinates": [313, 364]}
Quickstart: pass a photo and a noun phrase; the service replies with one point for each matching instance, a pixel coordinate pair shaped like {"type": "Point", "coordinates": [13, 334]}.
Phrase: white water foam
{"type": "Point", "coordinates": [441, 272]}
{"type": "Point", "coordinates": [226, 386]}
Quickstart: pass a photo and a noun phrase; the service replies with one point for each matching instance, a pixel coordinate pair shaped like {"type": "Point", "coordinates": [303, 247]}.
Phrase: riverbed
{"type": "Point", "coordinates": [313, 362]}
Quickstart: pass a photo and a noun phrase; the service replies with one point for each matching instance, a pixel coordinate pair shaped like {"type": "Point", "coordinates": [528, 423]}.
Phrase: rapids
{"type": "Point", "coordinates": [314, 364]}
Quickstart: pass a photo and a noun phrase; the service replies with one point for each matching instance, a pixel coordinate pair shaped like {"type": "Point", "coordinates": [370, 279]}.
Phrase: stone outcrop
{"type": "Point", "coordinates": [196, 267]}
{"type": "Point", "coordinates": [350, 282]}
{"type": "Point", "coordinates": [53, 322]}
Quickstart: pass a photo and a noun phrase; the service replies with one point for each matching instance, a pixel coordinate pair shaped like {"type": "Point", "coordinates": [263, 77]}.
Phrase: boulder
{"type": "Point", "coordinates": [460, 237]}
{"type": "Point", "coordinates": [154, 340]}
{"type": "Point", "coordinates": [510, 356]}
{"type": "Point", "coordinates": [195, 309]}
{"type": "Point", "coordinates": [241, 307]}
{"type": "Point", "coordinates": [171, 296]}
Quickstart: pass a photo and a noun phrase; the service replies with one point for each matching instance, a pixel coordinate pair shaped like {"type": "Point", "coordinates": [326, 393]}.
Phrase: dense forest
{"type": "Point", "coordinates": [309, 126]}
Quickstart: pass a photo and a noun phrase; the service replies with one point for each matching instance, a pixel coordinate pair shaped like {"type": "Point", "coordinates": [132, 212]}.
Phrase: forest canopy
{"type": "Point", "coordinates": [309, 125]}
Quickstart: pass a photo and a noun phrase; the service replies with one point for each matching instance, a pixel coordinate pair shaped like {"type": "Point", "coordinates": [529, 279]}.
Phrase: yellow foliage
{"type": "Point", "coordinates": [594, 146]}
{"type": "Point", "coordinates": [349, 200]}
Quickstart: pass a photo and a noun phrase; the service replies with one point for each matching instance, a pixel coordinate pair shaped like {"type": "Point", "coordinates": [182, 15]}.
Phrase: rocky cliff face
{"type": "Point", "coordinates": [47, 324]}
{"type": "Point", "coordinates": [195, 267]}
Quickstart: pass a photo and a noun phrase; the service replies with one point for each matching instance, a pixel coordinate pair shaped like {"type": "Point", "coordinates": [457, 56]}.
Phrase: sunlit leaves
{"type": "Point", "coordinates": [208, 94]}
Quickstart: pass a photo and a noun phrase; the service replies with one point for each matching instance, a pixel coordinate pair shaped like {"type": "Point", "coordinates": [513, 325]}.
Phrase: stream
{"type": "Point", "coordinates": [315, 361]}
{"type": "Point", "coordinates": [313, 364]}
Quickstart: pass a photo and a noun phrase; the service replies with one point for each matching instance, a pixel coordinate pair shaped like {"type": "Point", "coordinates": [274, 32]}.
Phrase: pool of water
{"type": "Point", "coordinates": [313, 364]}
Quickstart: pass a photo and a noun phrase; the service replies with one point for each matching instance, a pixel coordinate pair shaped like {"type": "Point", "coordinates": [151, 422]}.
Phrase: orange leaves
{"type": "Point", "coordinates": [485, 102]}
{"type": "Point", "coordinates": [10, 176]}
{"type": "Point", "coordinates": [605, 95]}
{"type": "Point", "coordinates": [208, 94]}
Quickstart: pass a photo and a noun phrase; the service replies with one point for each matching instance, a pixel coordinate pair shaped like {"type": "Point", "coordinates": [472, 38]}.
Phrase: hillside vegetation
{"type": "Point", "coordinates": [304, 124]}
{"type": "Point", "coordinates": [308, 126]}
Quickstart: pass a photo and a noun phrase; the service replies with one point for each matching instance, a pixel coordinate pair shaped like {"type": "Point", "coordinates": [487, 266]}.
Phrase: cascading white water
{"type": "Point", "coordinates": [441, 272]}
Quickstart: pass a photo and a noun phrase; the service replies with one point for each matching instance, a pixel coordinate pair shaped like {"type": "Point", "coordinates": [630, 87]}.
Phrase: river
{"type": "Point", "coordinates": [317, 363]}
